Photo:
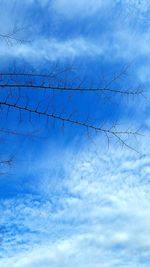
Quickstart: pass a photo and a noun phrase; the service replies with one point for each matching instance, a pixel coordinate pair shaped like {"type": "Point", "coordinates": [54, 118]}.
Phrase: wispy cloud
{"type": "Point", "coordinates": [53, 49]}
{"type": "Point", "coordinates": [86, 8]}
{"type": "Point", "coordinates": [95, 211]}
{"type": "Point", "coordinates": [123, 45]}
{"type": "Point", "coordinates": [123, 39]}
{"type": "Point", "coordinates": [83, 8]}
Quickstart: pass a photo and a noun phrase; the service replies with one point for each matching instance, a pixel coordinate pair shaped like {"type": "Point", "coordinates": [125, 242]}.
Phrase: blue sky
{"type": "Point", "coordinates": [69, 200]}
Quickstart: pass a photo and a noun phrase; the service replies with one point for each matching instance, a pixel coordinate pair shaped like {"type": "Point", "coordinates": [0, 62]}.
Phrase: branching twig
{"type": "Point", "coordinates": [108, 132]}
{"type": "Point", "coordinates": [57, 88]}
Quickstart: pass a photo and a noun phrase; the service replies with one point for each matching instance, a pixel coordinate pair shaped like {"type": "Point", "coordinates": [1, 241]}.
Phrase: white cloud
{"type": "Point", "coordinates": [121, 45]}
{"type": "Point", "coordinates": [121, 41]}
{"type": "Point", "coordinates": [82, 8]}
{"type": "Point", "coordinates": [100, 217]}
{"type": "Point", "coordinates": [130, 45]}
{"type": "Point", "coordinates": [86, 8]}
{"type": "Point", "coordinates": [98, 214]}
{"type": "Point", "coordinates": [53, 49]}
{"type": "Point", "coordinates": [140, 6]}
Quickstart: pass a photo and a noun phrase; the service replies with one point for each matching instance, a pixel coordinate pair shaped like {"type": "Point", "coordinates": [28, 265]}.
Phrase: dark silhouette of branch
{"type": "Point", "coordinates": [108, 132]}
{"type": "Point", "coordinates": [12, 36]}
{"type": "Point", "coordinates": [54, 81]}
{"type": "Point", "coordinates": [15, 95]}
{"type": "Point", "coordinates": [41, 75]}
{"type": "Point", "coordinates": [68, 89]}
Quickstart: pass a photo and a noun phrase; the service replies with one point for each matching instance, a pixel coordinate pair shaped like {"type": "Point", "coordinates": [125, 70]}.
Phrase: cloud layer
{"type": "Point", "coordinates": [110, 34]}
{"type": "Point", "coordinates": [94, 211]}
{"type": "Point", "coordinates": [90, 208]}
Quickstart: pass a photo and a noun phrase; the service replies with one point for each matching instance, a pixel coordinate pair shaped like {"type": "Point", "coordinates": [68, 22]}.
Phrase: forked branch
{"type": "Point", "coordinates": [108, 132]}
{"type": "Point", "coordinates": [45, 81]}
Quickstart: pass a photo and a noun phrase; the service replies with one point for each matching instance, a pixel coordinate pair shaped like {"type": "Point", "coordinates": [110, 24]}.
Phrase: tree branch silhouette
{"type": "Point", "coordinates": [108, 132]}
{"type": "Point", "coordinates": [12, 36]}
{"type": "Point", "coordinates": [51, 87]}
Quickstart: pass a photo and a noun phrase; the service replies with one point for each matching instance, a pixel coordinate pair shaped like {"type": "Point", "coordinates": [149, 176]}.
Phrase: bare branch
{"type": "Point", "coordinates": [12, 37]}
{"type": "Point", "coordinates": [108, 132]}
{"type": "Point", "coordinates": [68, 89]}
